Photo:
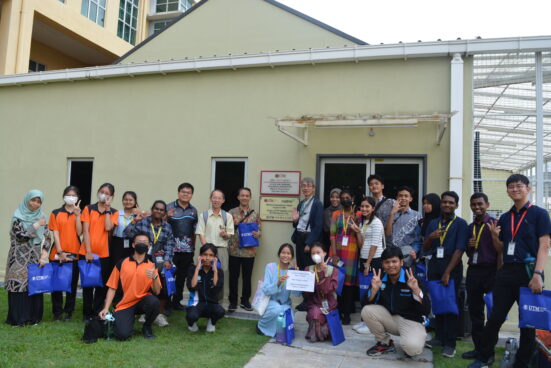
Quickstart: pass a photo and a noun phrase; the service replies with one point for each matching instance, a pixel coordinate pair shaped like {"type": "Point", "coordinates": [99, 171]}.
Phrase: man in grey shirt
{"type": "Point", "coordinates": [383, 205]}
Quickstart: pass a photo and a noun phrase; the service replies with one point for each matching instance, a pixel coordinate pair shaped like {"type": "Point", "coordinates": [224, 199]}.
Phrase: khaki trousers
{"type": "Point", "coordinates": [381, 324]}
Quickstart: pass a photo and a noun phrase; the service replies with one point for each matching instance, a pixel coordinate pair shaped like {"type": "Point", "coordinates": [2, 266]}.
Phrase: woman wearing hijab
{"type": "Point", "coordinates": [334, 205]}
{"type": "Point", "coordinates": [431, 210]}
{"type": "Point", "coordinates": [29, 243]}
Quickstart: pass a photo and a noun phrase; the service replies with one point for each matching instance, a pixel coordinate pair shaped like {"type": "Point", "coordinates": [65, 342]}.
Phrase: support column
{"type": "Point", "coordinates": [26, 18]}
{"type": "Point", "coordinates": [539, 131]}
{"type": "Point", "coordinates": [456, 128]}
{"type": "Point", "coordinates": [9, 35]}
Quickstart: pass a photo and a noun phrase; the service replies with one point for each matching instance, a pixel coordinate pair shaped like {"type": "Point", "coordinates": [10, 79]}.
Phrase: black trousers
{"type": "Point", "coordinates": [117, 251]}
{"type": "Point", "coordinates": [57, 297]}
{"type": "Point", "coordinates": [346, 301]}
{"type": "Point", "coordinates": [303, 258]}
{"type": "Point", "coordinates": [182, 261]}
{"type": "Point", "coordinates": [509, 279]}
{"type": "Point", "coordinates": [447, 325]}
{"type": "Point", "coordinates": [93, 298]}
{"type": "Point", "coordinates": [376, 264]}
{"type": "Point", "coordinates": [124, 319]}
{"type": "Point", "coordinates": [480, 281]}
{"type": "Point", "coordinates": [235, 265]}
{"type": "Point", "coordinates": [24, 309]}
{"type": "Point", "coordinates": [206, 310]}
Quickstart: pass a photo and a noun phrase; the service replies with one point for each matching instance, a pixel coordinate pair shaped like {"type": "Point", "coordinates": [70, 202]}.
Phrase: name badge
{"type": "Point", "coordinates": [159, 259]}
{"type": "Point", "coordinates": [324, 306]}
{"type": "Point", "coordinates": [440, 252]}
{"type": "Point", "coordinates": [511, 248]}
{"type": "Point", "coordinates": [344, 242]}
{"type": "Point", "coordinates": [475, 257]}
{"type": "Point", "coordinates": [126, 243]}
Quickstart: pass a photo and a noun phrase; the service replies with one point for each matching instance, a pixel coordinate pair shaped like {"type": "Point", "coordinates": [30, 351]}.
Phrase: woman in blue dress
{"type": "Point", "coordinates": [274, 286]}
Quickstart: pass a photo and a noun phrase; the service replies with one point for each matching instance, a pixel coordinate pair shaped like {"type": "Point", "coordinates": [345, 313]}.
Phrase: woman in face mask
{"type": "Point", "coordinates": [67, 228]}
{"type": "Point", "coordinates": [345, 237]}
{"type": "Point", "coordinates": [275, 277]}
{"type": "Point", "coordinates": [29, 244]}
{"type": "Point", "coordinates": [98, 220]}
{"type": "Point", "coordinates": [324, 298]}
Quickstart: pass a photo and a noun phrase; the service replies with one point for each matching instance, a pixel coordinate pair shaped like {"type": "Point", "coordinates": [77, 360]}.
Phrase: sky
{"type": "Point", "coordinates": [391, 21]}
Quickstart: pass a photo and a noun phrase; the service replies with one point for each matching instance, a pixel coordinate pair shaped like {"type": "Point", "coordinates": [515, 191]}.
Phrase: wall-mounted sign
{"type": "Point", "coordinates": [280, 183]}
{"type": "Point", "coordinates": [277, 208]}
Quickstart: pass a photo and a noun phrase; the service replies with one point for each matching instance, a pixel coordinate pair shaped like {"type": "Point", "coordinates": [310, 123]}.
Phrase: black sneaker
{"type": "Point", "coordinates": [469, 355]}
{"type": "Point", "coordinates": [448, 351]}
{"type": "Point", "coordinates": [301, 307]}
{"type": "Point", "coordinates": [380, 349]}
{"type": "Point", "coordinates": [346, 320]}
{"type": "Point", "coordinates": [147, 332]}
{"type": "Point", "coordinates": [432, 343]}
{"type": "Point", "coordinates": [232, 308]}
{"type": "Point", "coordinates": [247, 307]}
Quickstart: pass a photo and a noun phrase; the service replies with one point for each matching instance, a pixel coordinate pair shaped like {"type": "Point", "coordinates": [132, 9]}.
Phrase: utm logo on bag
{"type": "Point", "coordinates": [38, 278]}
{"type": "Point", "coordinates": [534, 308]}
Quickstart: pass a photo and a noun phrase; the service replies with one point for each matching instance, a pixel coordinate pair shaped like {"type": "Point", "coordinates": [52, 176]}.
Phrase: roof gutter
{"type": "Point", "coordinates": [268, 59]}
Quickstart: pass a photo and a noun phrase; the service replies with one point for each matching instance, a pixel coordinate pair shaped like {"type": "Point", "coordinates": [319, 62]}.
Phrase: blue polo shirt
{"type": "Point", "coordinates": [535, 224]}
{"type": "Point", "coordinates": [456, 238]}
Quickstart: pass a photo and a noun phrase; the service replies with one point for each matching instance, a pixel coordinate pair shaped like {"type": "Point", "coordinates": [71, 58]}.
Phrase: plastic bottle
{"type": "Point", "coordinates": [280, 329]}
{"type": "Point", "coordinates": [511, 347]}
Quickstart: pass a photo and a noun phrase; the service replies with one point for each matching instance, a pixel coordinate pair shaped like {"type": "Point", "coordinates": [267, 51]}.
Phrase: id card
{"type": "Point", "coordinates": [511, 248]}
{"type": "Point", "coordinates": [324, 306]}
{"type": "Point", "coordinates": [159, 259]}
{"type": "Point", "coordinates": [126, 243]}
{"type": "Point", "coordinates": [440, 252]}
{"type": "Point", "coordinates": [475, 258]}
{"type": "Point", "coordinates": [344, 242]}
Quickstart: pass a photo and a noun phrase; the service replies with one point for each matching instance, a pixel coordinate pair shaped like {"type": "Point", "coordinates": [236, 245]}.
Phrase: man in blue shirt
{"type": "Point", "coordinates": [446, 242]}
{"type": "Point", "coordinates": [522, 235]}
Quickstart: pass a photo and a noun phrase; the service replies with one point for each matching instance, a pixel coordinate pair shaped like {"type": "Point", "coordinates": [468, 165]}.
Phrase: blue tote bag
{"type": "Point", "coordinates": [421, 270]}
{"type": "Point", "coordinates": [246, 238]}
{"type": "Point", "coordinates": [289, 326]}
{"type": "Point", "coordinates": [170, 281]}
{"type": "Point", "coordinates": [365, 283]}
{"type": "Point", "coordinates": [62, 276]}
{"type": "Point", "coordinates": [335, 327]}
{"type": "Point", "coordinates": [40, 279]}
{"type": "Point", "coordinates": [342, 276]}
{"type": "Point", "coordinates": [90, 273]}
{"type": "Point", "coordinates": [442, 297]}
{"type": "Point", "coordinates": [535, 309]}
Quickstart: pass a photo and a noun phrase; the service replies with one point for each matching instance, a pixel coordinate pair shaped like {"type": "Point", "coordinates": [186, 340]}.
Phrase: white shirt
{"type": "Point", "coordinates": [305, 214]}
{"type": "Point", "coordinates": [373, 236]}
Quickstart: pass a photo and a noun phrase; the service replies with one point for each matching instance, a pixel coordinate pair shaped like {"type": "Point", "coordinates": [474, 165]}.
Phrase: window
{"type": "Point", "coordinates": [35, 66]}
{"type": "Point", "coordinates": [163, 6]}
{"type": "Point", "coordinates": [228, 175]}
{"type": "Point", "coordinates": [80, 175]}
{"type": "Point", "coordinates": [94, 10]}
{"type": "Point", "coordinates": [158, 26]}
{"type": "Point", "coordinates": [128, 20]}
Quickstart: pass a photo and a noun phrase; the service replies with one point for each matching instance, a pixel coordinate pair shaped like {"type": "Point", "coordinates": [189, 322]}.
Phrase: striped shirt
{"type": "Point", "coordinates": [373, 235]}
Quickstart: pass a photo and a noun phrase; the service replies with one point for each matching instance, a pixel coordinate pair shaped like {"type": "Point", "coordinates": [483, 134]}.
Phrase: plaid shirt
{"type": "Point", "coordinates": [165, 243]}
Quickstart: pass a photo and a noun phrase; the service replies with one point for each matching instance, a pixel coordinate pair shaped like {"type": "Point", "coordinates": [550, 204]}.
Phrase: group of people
{"type": "Point", "coordinates": [383, 237]}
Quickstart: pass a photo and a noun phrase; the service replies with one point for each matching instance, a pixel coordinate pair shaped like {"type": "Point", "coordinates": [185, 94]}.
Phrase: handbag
{"type": "Point", "coordinates": [62, 277]}
{"type": "Point", "coordinates": [246, 238]}
{"type": "Point", "coordinates": [260, 300]}
{"type": "Point", "coordinates": [335, 327]}
{"type": "Point", "coordinates": [442, 297]}
{"type": "Point", "coordinates": [535, 309]}
{"type": "Point", "coordinates": [170, 281]}
{"type": "Point", "coordinates": [40, 278]}
{"type": "Point", "coordinates": [90, 273]}
{"type": "Point", "coordinates": [364, 283]}
{"type": "Point", "coordinates": [421, 270]}
{"type": "Point", "coordinates": [289, 326]}
{"type": "Point", "coordinates": [342, 276]}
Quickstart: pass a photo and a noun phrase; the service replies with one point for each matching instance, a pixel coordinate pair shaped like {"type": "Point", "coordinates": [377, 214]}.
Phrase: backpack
{"type": "Point", "coordinates": [223, 213]}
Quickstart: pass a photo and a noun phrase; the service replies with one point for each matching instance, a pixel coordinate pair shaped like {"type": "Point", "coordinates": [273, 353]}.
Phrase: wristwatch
{"type": "Point", "coordinates": [539, 273]}
{"type": "Point", "coordinates": [156, 276]}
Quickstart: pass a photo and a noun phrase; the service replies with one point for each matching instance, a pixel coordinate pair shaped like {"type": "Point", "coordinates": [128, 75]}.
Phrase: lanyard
{"type": "Point", "coordinates": [443, 236]}
{"type": "Point", "coordinates": [318, 281]}
{"type": "Point", "coordinates": [156, 236]}
{"type": "Point", "coordinates": [477, 236]}
{"type": "Point", "coordinates": [305, 204]}
{"type": "Point", "coordinates": [345, 222]}
{"type": "Point", "coordinates": [124, 219]}
{"type": "Point", "coordinates": [514, 230]}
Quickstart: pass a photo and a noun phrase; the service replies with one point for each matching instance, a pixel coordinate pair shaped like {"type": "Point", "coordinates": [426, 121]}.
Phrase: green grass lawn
{"type": "Point", "coordinates": [441, 362]}
{"type": "Point", "coordinates": [58, 344]}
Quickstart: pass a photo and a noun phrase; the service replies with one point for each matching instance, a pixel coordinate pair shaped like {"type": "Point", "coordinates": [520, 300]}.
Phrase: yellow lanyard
{"type": "Point", "coordinates": [477, 236]}
{"type": "Point", "coordinates": [443, 236]}
{"type": "Point", "coordinates": [345, 223]}
{"type": "Point", "coordinates": [124, 219]}
{"type": "Point", "coordinates": [318, 281]}
{"type": "Point", "coordinates": [156, 236]}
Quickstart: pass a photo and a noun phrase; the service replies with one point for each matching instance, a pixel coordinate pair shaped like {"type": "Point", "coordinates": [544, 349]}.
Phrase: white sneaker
{"type": "Point", "coordinates": [193, 328]}
{"type": "Point", "coordinates": [358, 325]}
{"type": "Point", "coordinates": [142, 318]}
{"type": "Point", "coordinates": [183, 302]}
{"type": "Point", "coordinates": [161, 320]}
{"type": "Point", "coordinates": [363, 330]}
{"type": "Point", "coordinates": [210, 327]}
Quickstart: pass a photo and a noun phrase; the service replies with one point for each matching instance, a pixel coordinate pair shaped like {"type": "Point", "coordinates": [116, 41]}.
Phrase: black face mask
{"type": "Point", "coordinates": [346, 202]}
{"type": "Point", "coordinates": [141, 248]}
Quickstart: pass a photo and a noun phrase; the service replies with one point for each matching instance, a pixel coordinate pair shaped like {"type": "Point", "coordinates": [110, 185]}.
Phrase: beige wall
{"type": "Point", "coordinates": [53, 59]}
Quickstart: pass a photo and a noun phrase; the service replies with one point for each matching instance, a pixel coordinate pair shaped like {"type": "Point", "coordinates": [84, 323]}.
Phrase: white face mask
{"type": "Point", "coordinates": [70, 200]}
{"type": "Point", "coordinates": [102, 197]}
{"type": "Point", "coordinates": [316, 258]}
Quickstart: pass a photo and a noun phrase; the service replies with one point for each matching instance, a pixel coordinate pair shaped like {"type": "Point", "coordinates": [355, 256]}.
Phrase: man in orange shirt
{"type": "Point", "coordinates": [131, 283]}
